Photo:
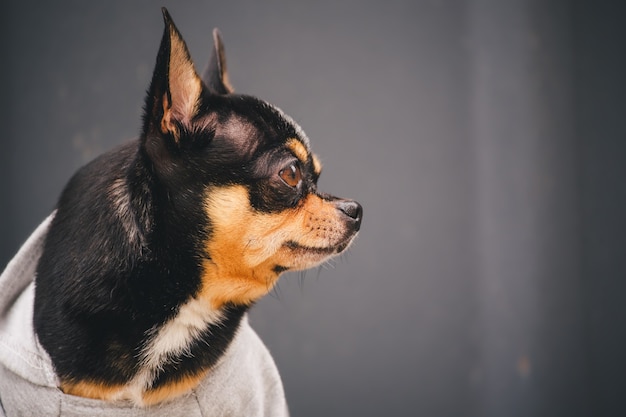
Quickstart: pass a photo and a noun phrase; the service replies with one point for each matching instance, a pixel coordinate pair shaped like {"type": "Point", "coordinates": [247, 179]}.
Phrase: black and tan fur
{"type": "Point", "coordinates": [159, 247]}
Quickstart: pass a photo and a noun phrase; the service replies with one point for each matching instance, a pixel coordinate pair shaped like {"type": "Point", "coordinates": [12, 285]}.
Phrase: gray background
{"type": "Point", "coordinates": [486, 141]}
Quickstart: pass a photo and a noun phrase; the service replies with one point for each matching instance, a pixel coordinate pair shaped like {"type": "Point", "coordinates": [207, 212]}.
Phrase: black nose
{"type": "Point", "coordinates": [353, 210]}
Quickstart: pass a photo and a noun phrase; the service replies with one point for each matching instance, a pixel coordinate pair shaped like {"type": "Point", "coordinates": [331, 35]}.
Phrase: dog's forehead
{"type": "Point", "coordinates": [295, 126]}
{"type": "Point", "coordinates": [250, 123]}
{"type": "Point", "coordinates": [239, 133]}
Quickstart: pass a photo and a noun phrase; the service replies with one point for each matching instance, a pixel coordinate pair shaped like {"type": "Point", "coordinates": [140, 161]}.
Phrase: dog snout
{"type": "Point", "coordinates": [352, 210]}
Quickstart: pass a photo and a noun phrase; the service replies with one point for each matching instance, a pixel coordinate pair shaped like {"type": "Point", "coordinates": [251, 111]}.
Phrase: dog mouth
{"type": "Point", "coordinates": [305, 257]}
{"type": "Point", "coordinates": [320, 250]}
{"type": "Point", "coordinates": [295, 246]}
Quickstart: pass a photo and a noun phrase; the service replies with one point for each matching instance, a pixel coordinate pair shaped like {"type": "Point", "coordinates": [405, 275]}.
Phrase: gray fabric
{"type": "Point", "coordinates": [244, 383]}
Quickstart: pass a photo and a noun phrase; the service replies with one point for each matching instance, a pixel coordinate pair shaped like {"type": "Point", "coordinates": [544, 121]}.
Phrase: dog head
{"type": "Point", "coordinates": [244, 171]}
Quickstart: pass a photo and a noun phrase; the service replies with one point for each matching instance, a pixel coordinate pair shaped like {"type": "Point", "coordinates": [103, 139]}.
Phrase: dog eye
{"type": "Point", "coordinates": [291, 175]}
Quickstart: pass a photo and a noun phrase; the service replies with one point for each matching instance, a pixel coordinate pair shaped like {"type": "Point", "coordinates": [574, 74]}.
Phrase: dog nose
{"type": "Point", "coordinates": [353, 210]}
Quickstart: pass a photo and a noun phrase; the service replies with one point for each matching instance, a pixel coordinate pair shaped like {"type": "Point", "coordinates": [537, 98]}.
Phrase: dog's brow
{"type": "Point", "coordinates": [317, 165]}
{"type": "Point", "coordinates": [298, 149]}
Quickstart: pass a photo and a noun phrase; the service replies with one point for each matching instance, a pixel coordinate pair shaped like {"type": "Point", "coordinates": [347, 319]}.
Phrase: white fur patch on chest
{"type": "Point", "coordinates": [172, 339]}
{"type": "Point", "coordinates": [175, 336]}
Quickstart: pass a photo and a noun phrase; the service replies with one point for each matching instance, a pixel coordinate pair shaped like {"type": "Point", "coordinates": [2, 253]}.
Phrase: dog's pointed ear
{"type": "Point", "coordinates": [175, 89]}
{"type": "Point", "coordinates": [216, 75]}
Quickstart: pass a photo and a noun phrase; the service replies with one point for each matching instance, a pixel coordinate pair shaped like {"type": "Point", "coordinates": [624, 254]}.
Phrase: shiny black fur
{"type": "Point", "coordinates": [99, 292]}
{"type": "Point", "coordinates": [126, 246]}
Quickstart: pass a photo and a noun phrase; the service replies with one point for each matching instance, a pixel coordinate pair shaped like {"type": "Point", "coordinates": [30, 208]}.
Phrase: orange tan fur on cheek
{"type": "Point", "coordinates": [246, 246]}
{"type": "Point", "coordinates": [240, 248]}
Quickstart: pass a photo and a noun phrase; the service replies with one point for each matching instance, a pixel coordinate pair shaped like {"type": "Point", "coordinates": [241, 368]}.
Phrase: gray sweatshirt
{"type": "Point", "coordinates": [245, 382]}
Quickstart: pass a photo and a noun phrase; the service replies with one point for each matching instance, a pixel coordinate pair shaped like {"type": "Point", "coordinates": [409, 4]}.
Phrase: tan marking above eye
{"type": "Point", "coordinates": [317, 165]}
{"type": "Point", "coordinates": [298, 149]}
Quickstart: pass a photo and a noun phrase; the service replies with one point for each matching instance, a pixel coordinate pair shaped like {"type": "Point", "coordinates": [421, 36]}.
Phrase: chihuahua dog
{"type": "Point", "coordinates": [158, 248]}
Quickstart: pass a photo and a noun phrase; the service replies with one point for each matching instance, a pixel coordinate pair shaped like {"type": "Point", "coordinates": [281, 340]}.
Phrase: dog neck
{"type": "Point", "coordinates": [174, 359]}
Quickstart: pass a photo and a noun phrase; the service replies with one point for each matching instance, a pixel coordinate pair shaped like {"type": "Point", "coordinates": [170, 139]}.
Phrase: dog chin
{"type": "Point", "coordinates": [308, 257]}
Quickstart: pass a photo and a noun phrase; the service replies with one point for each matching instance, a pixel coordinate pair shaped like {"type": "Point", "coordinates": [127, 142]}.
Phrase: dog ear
{"type": "Point", "coordinates": [216, 76]}
{"type": "Point", "coordinates": [175, 89]}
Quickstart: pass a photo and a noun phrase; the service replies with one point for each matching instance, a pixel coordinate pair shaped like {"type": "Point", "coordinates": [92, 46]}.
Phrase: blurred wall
{"type": "Point", "coordinates": [485, 140]}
